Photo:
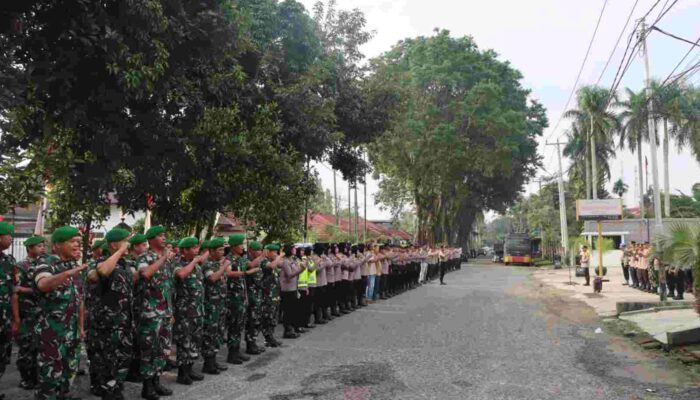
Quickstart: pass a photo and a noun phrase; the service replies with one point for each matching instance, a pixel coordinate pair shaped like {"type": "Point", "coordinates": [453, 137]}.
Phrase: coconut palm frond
{"type": "Point", "coordinates": [680, 242]}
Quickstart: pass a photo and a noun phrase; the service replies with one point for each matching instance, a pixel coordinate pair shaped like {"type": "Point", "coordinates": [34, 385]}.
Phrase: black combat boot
{"type": "Point", "coordinates": [233, 357]}
{"type": "Point", "coordinates": [193, 375]}
{"type": "Point", "coordinates": [160, 389]}
{"type": "Point", "coordinates": [134, 375]}
{"type": "Point", "coordinates": [252, 348]}
{"type": "Point", "coordinates": [289, 332]}
{"type": "Point", "coordinates": [209, 366]}
{"type": "Point", "coordinates": [220, 367]}
{"type": "Point", "coordinates": [26, 382]}
{"type": "Point", "coordinates": [148, 390]}
{"type": "Point", "coordinates": [271, 342]}
{"type": "Point", "coordinates": [183, 377]}
{"type": "Point", "coordinates": [242, 356]}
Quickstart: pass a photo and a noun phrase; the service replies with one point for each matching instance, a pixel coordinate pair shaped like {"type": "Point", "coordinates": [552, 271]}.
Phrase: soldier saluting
{"type": "Point", "coordinates": [25, 305]}
{"type": "Point", "coordinates": [59, 325]}
{"type": "Point", "coordinates": [155, 311]}
{"type": "Point", "coordinates": [189, 309]}
{"type": "Point", "coordinates": [113, 320]}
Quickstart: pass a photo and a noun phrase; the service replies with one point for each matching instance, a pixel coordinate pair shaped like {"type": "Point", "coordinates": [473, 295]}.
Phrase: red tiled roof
{"type": "Point", "coordinates": [319, 222]}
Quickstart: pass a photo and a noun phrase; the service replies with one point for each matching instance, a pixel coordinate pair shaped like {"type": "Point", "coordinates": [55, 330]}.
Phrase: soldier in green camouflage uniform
{"type": "Point", "coordinates": [214, 271]}
{"type": "Point", "coordinates": [270, 304]}
{"type": "Point", "coordinates": [236, 299]}
{"type": "Point", "coordinates": [27, 303]}
{"type": "Point", "coordinates": [189, 309]}
{"type": "Point", "coordinates": [113, 320]}
{"type": "Point", "coordinates": [58, 328]}
{"type": "Point", "coordinates": [137, 246]}
{"type": "Point", "coordinates": [7, 266]}
{"type": "Point", "coordinates": [155, 311]}
{"type": "Point", "coordinates": [254, 287]}
{"type": "Point", "coordinates": [91, 299]}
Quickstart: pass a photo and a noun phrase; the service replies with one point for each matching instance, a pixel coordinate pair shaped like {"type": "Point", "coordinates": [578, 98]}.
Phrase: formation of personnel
{"type": "Point", "coordinates": [649, 273]}
{"type": "Point", "coordinates": [140, 295]}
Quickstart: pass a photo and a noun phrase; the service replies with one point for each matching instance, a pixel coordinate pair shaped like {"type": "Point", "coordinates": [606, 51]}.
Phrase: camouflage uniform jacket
{"type": "Point", "coordinates": [116, 296]}
{"type": "Point", "coordinates": [214, 292]}
{"type": "Point", "coordinates": [7, 267]}
{"type": "Point", "coordinates": [270, 281]}
{"type": "Point", "coordinates": [60, 307]}
{"type": "Point", "coordinates": [189, 297]}
{"type": "Point", "coordinates": [24, 277]}
{"type": "Point", "coordinates": [155, 295]}
{"type": "Point", "coordinates": [236, 287]}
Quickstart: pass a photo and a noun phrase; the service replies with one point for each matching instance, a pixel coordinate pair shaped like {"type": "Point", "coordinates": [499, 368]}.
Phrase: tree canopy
{"type": "Point", "coordinates": [463, 138]}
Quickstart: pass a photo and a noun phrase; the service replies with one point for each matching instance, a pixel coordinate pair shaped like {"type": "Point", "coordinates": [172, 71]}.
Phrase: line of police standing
{"type": "Point", "coordinates": [140, 294]}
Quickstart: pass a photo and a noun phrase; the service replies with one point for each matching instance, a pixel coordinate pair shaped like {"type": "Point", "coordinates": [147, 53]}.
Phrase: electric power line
{"type": "Point", "coordinates": [617, 43]}
{"type": "Point", "coordinates": [656, 28]}
{"type": "Point", "coordinates": [580, 71]}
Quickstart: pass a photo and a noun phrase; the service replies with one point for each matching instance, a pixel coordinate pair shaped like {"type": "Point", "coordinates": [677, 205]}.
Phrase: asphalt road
{"type": "Point", "coordinates": [491, 333]}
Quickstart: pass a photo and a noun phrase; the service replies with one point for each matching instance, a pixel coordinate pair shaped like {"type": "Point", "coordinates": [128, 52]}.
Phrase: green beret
{"type": "Point", "coordinates": [188, 242]}
{"type": "Point", "coordinates": [272, 246]}
{"type": "Point", "coordinates": [105, 247]}
{"type": "Point", "coordinates": [236, 239]}
{"type": "Point", "coordinates": [138, 239]}
{"type": "Point", "coordinates": [216, 243]}
{"type": "Point", "coordinates": [97, 243]}
{"type": "Point", "coordinates": [34, 240]}
{"type": "Point", "coordinates": [6, 228]}
{"type": "Point", "coordinates": [255, 246]}
{"type": "Point", "coordinates": [205, 245]}
{"type": "Point", "coordinates": [154, 231]}
{"type": "Point", "coordinates": [64, 234]}
{"type": "Point", "coordinates": [175, 243]}
{"type": "Point", "coordinates": [116, 235]}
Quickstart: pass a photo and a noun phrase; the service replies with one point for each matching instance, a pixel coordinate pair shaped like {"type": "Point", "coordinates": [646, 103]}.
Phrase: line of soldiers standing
{"type": "Point", "coordinates": [140, 294]}
{"type": "Point", "coordinates": [649, 273]}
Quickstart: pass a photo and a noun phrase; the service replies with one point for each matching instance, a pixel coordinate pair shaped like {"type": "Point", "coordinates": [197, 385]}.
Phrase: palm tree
{"type": "Point", "coordinates": [593, 110]}
{"type": "Point", "coordinates": [667, 108]}
{"type": "Point", "coordinates": [635, 129]}
{"type": "Point", "coordinates": [679, 244]}
{"type": "Point", "coordinates": [620, 188]}
{"type": "Point", "coordinates": [578, 151]}
{"type": "Point", "coordinates": [689, 108]}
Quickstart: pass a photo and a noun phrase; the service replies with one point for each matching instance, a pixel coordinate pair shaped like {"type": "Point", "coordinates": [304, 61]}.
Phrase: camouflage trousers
{"type": "Point", "coordinates": [187, 334]}
{"type": "Point", "coordinates": [235, 321]}
{"type": "Point", "coordinates": [214, 327]}
{"type": "Point", "coordinates": [269, 315]}
{"type": "Point", "coordinates": [57, 360]}
{"type": "Point", "coordinates": [154, 338]}
{"type": "Point", "coordinates": [252, 326]}
{"type": "Point", "coordinates": [111, 351]}
{"type": "Point", "coordinates": [5, 345]}
{"type": "Point", "coordinates": [27, 344]}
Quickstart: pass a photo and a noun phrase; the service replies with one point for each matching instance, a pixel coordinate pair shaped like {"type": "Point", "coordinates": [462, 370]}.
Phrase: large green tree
{"type": "Point", "coordinates": [463, 138]}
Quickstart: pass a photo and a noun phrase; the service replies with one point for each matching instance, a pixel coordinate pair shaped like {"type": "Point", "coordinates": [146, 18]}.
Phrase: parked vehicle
{"type": "Point", "coordinates": [517, 249]}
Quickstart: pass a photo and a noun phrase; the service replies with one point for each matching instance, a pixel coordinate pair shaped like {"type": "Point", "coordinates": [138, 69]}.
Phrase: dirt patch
{"type": "Point", "coordinates": [367, 380]}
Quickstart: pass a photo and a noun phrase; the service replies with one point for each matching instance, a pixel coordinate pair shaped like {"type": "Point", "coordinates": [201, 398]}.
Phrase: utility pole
{"type": "Point", "coordinates": [564, 225]}
{"type": "Point", "coordinates": [335, 201]}
{"type": "Point", "coordinates": [658, 222]}
{"type": "Point", "coordinates": [357, 217]}
{"type": "Point", "coordinates": [364, 236]}
{"type": "Point", "coordinates": [349, 208]}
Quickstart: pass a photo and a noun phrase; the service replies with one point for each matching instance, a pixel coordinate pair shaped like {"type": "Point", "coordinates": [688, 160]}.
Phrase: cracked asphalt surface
{"type": "Point", "coordinates": [491, 333]}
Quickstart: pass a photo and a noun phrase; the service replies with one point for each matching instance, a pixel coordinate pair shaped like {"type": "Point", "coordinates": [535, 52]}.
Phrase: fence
{"type": "Point", "coordinates": [17, 249]}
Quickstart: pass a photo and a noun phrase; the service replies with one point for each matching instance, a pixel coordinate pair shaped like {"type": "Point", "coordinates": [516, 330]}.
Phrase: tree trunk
{"type": "Point", "coordinates": [641, 178]}
{"type": "Point", "coordinates": [667, 184]}
{"type": "Point", "coordinates": [594, 164]}
{"type": "Point", "coordinates": [587, 172]}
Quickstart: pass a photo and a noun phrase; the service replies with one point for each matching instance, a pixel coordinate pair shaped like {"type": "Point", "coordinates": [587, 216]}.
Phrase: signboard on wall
{"type": "Point", "coordinates": [598, 210]}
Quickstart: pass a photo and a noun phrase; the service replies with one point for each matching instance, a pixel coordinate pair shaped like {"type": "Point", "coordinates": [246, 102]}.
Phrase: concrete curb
{"type": "Point", "coordinates": [627, 306]}
{"type": "Point", "coordinates": [656, 309]}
